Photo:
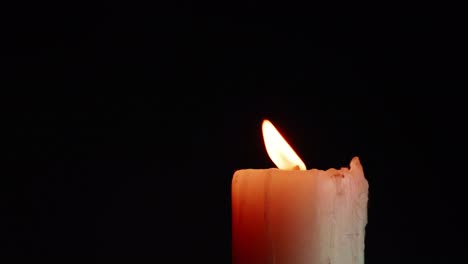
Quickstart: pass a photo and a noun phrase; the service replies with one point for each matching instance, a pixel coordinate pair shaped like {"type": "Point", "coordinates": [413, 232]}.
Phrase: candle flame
{"type": "Point", "coordinates": [279, 150]}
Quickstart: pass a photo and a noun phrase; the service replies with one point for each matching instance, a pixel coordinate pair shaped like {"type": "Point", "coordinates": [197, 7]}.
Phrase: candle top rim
{"type": "Point", "coordinates": [355, 164]}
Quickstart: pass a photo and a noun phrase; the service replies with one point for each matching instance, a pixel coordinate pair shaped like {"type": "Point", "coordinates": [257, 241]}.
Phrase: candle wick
{"type": "Point", "coordinates": [296, 167]}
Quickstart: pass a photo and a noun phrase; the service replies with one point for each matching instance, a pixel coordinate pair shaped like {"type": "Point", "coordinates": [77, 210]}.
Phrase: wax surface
{"type": "Point", "coordinates": [299, 216]}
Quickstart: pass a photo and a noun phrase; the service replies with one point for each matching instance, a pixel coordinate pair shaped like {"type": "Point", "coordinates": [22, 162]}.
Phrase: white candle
{"type": "Point", "coordinates": [291, 215]}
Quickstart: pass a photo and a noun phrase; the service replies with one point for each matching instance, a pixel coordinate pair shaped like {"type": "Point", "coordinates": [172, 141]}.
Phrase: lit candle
{"type": "Point", "coordinates": [294, 215]}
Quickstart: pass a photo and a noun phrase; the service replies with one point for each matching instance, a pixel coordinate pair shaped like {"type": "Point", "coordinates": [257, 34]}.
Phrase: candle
{"type": "Point", "coordinates": [295, 215]}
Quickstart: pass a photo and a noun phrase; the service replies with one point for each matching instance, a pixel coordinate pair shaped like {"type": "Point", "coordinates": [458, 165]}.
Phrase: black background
{"type": "Point", "coordinates": [125, 122]}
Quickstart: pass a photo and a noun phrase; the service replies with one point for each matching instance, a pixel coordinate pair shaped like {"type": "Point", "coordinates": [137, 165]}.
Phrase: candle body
{"type": "Point", "coordinates": [299, 217]}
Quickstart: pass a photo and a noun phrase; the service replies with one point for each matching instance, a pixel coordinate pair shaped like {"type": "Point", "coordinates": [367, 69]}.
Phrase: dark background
{"type": "Point", "coordinates": [125, 123]}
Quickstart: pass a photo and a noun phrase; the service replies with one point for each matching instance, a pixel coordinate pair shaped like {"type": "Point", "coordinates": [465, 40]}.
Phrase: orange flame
{"type": "Point", "coordinates": [279, 150]}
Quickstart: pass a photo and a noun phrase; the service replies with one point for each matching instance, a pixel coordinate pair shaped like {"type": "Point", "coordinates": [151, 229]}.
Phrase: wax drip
{"type": "Point", "coordinates": [333, 220]}
{"type": "Point", "coordinates": [243, 185]}
{"type": "Point", "coordinates": [271, 258]}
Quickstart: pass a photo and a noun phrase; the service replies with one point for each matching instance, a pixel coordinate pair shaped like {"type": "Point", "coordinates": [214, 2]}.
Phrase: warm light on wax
{"type": "Point", "coordinates": [294, 215]}
{"type": "Point", "coordinates": [279, 150]}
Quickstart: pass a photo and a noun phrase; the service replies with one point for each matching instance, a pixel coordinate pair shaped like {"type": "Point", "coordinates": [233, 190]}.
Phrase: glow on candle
{"type": "Point", "coordinates": [291, 215]}
{"type": "Point", "coordinates": [279, 150]}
